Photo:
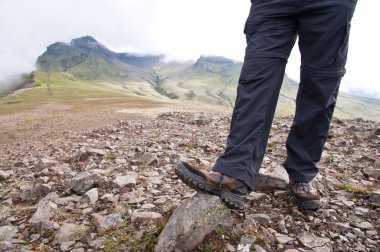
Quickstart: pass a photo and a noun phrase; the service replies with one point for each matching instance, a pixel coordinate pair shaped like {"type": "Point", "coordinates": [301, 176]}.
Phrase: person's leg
{"type": "Point", "coordinates": [323, 41]}
{"type": "Point", "coordinates": [271, 32]}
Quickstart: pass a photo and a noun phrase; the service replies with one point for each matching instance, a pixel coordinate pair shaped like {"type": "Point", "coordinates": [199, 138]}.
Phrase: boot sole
{"type": "Point", "coordinates": [307, 205]}
{"type": "Point", "coordinates": [196, 182]}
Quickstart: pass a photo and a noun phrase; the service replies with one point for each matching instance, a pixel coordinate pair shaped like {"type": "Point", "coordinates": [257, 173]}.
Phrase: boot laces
{"type": "Point", "coordinates": [303, 186]}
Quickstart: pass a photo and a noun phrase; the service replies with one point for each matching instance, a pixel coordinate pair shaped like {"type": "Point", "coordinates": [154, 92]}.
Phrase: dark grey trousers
{"type": "Point", "coordinates": [271, 30]}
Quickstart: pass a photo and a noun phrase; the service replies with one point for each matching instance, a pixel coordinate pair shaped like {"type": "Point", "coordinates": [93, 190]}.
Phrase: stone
{"type": "Point", "coordinates": [148, 206]}
{"type": "Point", "coordinates": [4, 175]}
{"type": "Point", "coordinates": [270, 181]}
{"type": "Point", "coordinates": [8, 232]}
{"type": "Point", "coordinates": [103, 223]}
{"type": "Point", "coordinates": [90, 197]}
{"type": "Point", "coordinates": [282, 238]}
{"type": "Point", "coordinates": [5, 246]}
{"type": "Point", "coordinates": [229, 248]}
{"type": "Point", "coordinates": [339, 227]}
{"type": "Point", "coordinates": [192, 221]}
{"type": "Point", "coordinates": [120, 161]}
{"type": "Point", "coordinates": [325, 248]}
{"type": "Point", "coordinates": [140, 217]}
{"type": "Point", "coordinates": [83, 181]}
{"type": "Point", "coordinates": [65, 246]}
{"type": "Point", "coordinates": [363, 225]}
{"type": "Point", "coordinates": [309, 240]}
{"type": "Point", "coordinates": [257, 196]}
{"type": "Point", "coordinates": [249, 224]}
{"type": "Point", "coordinates": [127, 180]}
{"type": "Point", "coordinates": [77, 250]}
{"type": "Point", "coordinates": [258, 248]}
{"type": "Point", "coordinates": [41, 218]}
{"type": "Point", "coordinates": [35, 193]}
{"type": "Point", "coordinates": [137, 200]}
{"type": "Point", "coordinates": [372, 172]}
{"type": "Point", "coordinates": [375, 197]}
{"type": "Point", "coordinates": [79, 157]}
{"type": "Point", "coordinates": [109, 197]}
{"type": "Point", "coordinates": [245, 243]}
{"type": "Point", "coordinates": [95, 152]}
{"type": "Point", "coordinates": [262, 219]}
{"type": "Point", "coordinates": [69, 232]}
{"type": "Point", "coordinates": [160, 201]}
{"type": "Point", "coordinates": [145, 159]}
{"type": "Point", "coordinates": [44, 163]}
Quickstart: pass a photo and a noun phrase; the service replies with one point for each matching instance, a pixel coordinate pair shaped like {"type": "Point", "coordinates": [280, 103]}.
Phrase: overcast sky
{"type": "Point", "coordinates": [178, 28]}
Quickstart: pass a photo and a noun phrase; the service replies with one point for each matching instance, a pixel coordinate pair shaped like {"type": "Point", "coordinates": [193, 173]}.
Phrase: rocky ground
{"type": "Point", "coordinates": [114, 188]}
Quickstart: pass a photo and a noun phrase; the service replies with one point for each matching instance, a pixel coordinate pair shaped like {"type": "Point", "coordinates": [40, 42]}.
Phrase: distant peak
{"type": "Point", "coordinates": [215, 60]}
{"type": "Point", "coordinates": [84, 39]}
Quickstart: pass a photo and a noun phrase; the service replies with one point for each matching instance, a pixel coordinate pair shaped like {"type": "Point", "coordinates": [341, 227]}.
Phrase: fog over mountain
{"type": "Point", "coordinates": [177, 29]}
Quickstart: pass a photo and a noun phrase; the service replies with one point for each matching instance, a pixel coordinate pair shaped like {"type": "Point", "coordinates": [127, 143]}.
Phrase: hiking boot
{"type": "Point", "coordinates": [305, 196]}
{"type": "Point", "coordinates": [230, 190]}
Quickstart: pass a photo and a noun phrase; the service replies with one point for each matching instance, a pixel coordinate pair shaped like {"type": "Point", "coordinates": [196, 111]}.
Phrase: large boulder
{"type": "Point", "coordinates": [192, 221]}
{"type": "Point", "coordinates": [83, 182]}
{"type": "Point", "coordinates": [269, 181]}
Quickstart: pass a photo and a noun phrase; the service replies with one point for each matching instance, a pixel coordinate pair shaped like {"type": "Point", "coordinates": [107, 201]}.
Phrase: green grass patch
{"type": "Point", "coordinates": [124, 238]}
{"type": "Point", "coordinates": [356, 189]}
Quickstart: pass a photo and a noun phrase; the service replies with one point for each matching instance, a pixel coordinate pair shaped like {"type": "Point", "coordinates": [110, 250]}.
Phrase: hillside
{"type": "Point", "coordinates": [100, 72]}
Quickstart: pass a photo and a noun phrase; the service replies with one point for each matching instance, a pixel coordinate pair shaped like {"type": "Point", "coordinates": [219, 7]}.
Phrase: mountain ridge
{"type": "Point", "coordinates": [209, 79]}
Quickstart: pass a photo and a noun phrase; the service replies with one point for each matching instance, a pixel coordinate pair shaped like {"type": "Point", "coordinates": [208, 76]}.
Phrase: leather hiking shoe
{"type": "Point", "coordinates": [305, 196]}
{"type": "Point", "coordinates": [230, 190]}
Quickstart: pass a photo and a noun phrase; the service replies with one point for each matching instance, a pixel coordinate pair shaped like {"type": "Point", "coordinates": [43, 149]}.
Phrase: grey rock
{"type": "Point", "coordinates": [192, 221]}
{"type": "Point", "coordinates": [282, 238]}
{"type": "Point", "coordinates": [41, 218]}
{"type": "Point", "coordinates": [258, 248]}
{"type": "Point", "coordinates": [77, 250]}
{"type": "Point", "coordinates": [325, 248]}
{"type": "Point", "coordinates": [148, 206]}
{"type": "Point", "coordinates": [229, 248]}
{"type": "Point", "coordinates": [339, 227]}
{"type": "Point", "coordinates": [309, 240]}
{"type": "Point", "coordinates": [375, 197]}
{"type": "Point", "coordinates": [95, 152]}
{"type": "Point", "coordinates": [363, 225]}
{"type": "Point", "coordinates": [8, 232]}
{"type": "Point", "coordinates": [249, 224]}
{"type": "Point", "coordinates": [262, 219]}
{"type": "Point", "coordinates": [69, 232]}
{"type": "Point", "coordinates": [6, 246]}
{"type": "Point", "coordinates": [43, 163]}
{"type": "Point", "coordinates": [257, 196]}
{"type": "Point", "coordinates": [65, 246]}
{"type": "Point", "coordinates": [4, 175]}
{"type": "Point", "coordinates": [127, 180]}
{"type": "Point", "coordinates": [140, 217]}
{"type": "Point", "coordinates": [269, 181]}
{"type": "Point", "coordinates": [5, 212]}
{"type": "Point", "coordinates": [83, 181]}
{"type": "Point", "coordinates": [79, 156]}
{"type": "Point", "coordinates": [246, 243]}
{"type": "Point", "coordinates": [35, 193]}
{"type": "Point", "coordinates": [372, 172]}
{"type": "Point", "coordinates": [103, 223]}
{"type": "Point", "coordinates": [109, 197]}
{"type": "Point", "coordinates": [146, 158]}
{"type": "Point", "coordinates": [90, 197]}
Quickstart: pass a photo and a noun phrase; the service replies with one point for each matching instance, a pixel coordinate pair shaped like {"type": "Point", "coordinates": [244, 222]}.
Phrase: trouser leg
{"type": "Point", "coordinates": [323, 42]}
{"type": "Point", "coordinates": [269, 41]}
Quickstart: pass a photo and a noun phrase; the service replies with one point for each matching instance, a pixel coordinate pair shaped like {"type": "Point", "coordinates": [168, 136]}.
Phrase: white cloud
{"type": "Point", "coordinates": [180, 29]}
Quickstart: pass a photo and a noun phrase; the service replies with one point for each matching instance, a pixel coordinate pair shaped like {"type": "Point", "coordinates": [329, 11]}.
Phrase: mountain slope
{"type": "Point", "coordinates": [210, 79]}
